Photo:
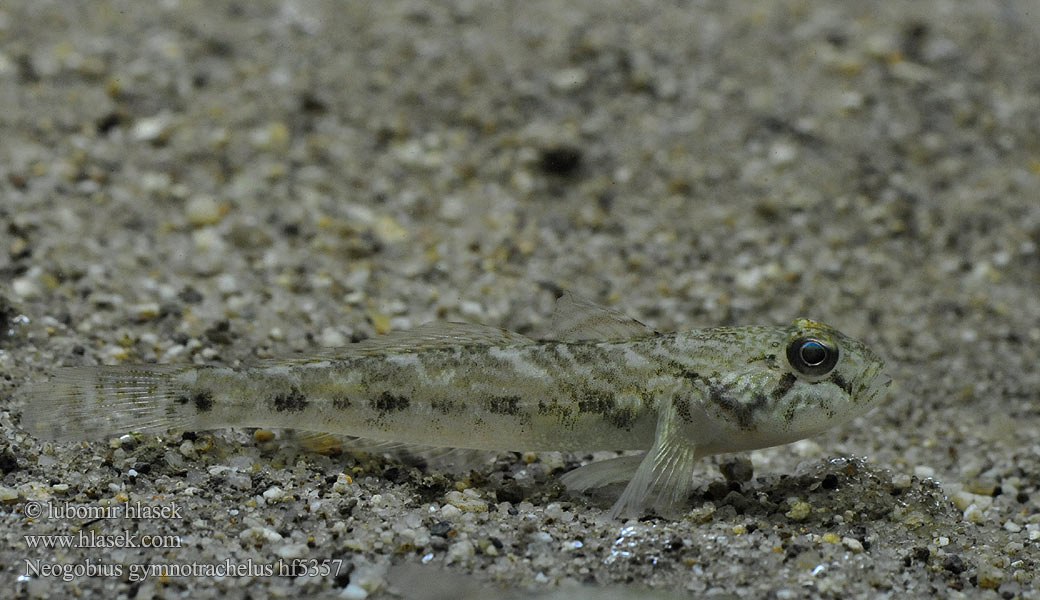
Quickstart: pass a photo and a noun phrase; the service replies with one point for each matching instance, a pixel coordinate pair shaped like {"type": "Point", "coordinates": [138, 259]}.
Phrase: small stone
{"type": "Point", "coordinates": [460, 552]}
{"type": "Point", "coordinates": [1012, 527]}
{"type": "Point", "coordinates": [343, 483]}
{"type": "Point", "coordinates": [982, 487]}
{"type": "Point", "coordinates": [831, 538]}
{"type": "Point", "coordinates": [25, 287]}
{"type": "Point", "coordinates": [989, 577]}
{"type": "Point", "coordinates": [274, 494]}
{"type": "Point", "coordinates": [203, 210]}
{"type": "Point", "coordinates": [145, 311]}
{"type": "Point", "coordinates": [8, 494]}
{"type": "Point", "coordinates": [852, 544]}
{"type": "Point", "coordinates": [737, 468]}
{"type": "Point", "coordinates": [901, 481]}
{"type": "Point", "coordinates": [973, 514]}
{"type": "Point", "coordinates": [259, 535]}
{"type": "Point", "coordinates": [291, 551]}
{"type": "Point", "coordinates": [272, 136]}
{"type": "Point", "coordinates": [240, 481]}
{"type": "Point", "coordinates": [150, 129]}
{"type": "Point", "coordinates": [332, 337]}
{"type": "Point", "coordinates": [800, 510]}
{"type": "Point", "coordinates": [470, 502]}
{"type": "Point", "coordinates": [262, 436]}
{"type": "Point", "coordinates": [354, 591]}
{"type": "Point", "coordinates": [954, 564]}
{"type": "Point", "coordinates": [187, 449]}
{"type": "Point", "coordinates": [781, 154]}
{"type": "Point", "coordinates": [569, 80]}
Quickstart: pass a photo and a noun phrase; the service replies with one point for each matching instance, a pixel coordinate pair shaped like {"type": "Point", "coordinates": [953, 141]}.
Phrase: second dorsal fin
{"type": "Point", "coordinates": [576, 319]}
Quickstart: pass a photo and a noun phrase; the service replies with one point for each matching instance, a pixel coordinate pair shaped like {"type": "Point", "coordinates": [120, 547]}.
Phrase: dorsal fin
{"type": "Point", "coordinates": [435, 334]}
{"type": "Point", "coordinates": [440, 334]}
{"type": "Point", "coordinates": [576, 319]}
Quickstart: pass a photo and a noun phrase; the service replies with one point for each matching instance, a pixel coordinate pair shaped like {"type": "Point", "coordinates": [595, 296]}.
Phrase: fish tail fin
{"type": "Point", "coordinates": [83, 403]}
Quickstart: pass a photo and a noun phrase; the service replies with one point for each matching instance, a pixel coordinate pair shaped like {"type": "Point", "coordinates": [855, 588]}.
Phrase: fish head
{"type": "Point", "coordinates": [791, 383]}
{"type": "Point", "coordinates": [835, 378]}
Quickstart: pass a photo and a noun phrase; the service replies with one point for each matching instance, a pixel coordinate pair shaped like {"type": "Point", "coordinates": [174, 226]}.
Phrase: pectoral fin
{"type": "Point", "coordinates": [664, 479]}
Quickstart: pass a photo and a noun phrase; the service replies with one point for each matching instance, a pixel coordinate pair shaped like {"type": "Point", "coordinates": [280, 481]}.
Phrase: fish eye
{"type": "Point", "coordinates": [811, 356]}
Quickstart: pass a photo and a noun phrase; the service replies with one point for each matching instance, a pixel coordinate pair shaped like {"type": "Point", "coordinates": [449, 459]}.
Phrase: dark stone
{"type": "Point", "coordinates": [8, 462]}
{"type": "Point", "coordinates": [560, 160]}
{"type": "Point", "coordinates": [440, 528]}
{"type": "Point", "coordinates": [954, 564]}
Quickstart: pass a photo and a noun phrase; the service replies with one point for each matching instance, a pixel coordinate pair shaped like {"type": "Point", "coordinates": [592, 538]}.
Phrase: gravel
{"type": "Point", "coordinates": [219, 182]}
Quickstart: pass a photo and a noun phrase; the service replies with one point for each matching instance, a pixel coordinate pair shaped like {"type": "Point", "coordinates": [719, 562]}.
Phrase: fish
{"type": "Point", "coordinates": [598, 380]}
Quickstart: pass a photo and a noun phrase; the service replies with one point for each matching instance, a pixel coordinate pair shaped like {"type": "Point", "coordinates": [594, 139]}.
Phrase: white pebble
{"type": "Point", "coordinates": [852, 544]}
{"type": "Point", "coordinates": [973, 514]}
{"type": "Point", "coordinates": [354, 591]}
{"type": "Point", "coordinates": [291, 551]}
{"type": "Point", "coordinates": [25, 287]}
{"type": "Point", "coordinates": [461, 551]}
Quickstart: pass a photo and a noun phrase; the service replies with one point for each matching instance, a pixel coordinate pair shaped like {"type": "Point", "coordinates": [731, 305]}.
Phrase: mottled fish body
{"type": "Point", "coordinates": [606, 382]}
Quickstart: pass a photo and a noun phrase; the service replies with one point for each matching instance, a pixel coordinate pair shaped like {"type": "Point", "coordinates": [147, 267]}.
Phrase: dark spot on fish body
{"type": "Point", "coordinates": [622, 418]}
{"type": "Point", "coordinates": [445, 406]}
{"type": "Point", "coordinates": [503, 405]}
{"type": "Point", "coordinates": [595, 401]}
{"type": "Point", "coordinates": [388, 403]}
{"type": "Point", "coordinates": [341, 402]}
{"type": "Point", "coordinates": [203, 401]}
{"type": "Point", "coordinates": [841, 382]}
{"type": "Point", "coordinates": [560, 412]}
{"type": "Point", "coordinates": [742, 412]}
{"type": "Point", "coordinates": [787, 381]}
{"type": "Point", "coordinates": [291, 401]}
{"type": "Point", "coordinates": [769, 359]}
{"type": "Point", "coordinates": [682, 409]}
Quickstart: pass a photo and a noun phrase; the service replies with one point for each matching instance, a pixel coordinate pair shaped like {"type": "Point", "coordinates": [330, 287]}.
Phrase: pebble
{"type": "Point", "coordinates": [354, 591]}
{"type": "Point", "coordinates": [291, 551]}
{"type": "Point", "coordinates": [974, 514]}
{"type": "Point", "coordinates": [273, 494]}
{"type": "Point", "coordinates": [989, 577]}
{"type": "Point", "coordinates": [8, 494]}
{"type": "Point", "coordinates": [260, 535]}
{"type": "Point", "coordinates": [467, 501]}
{"type": "Point", "coordinates": [852, 544]}
{"type": "Point", "coordinates": [25, 287]}
{"type": "Point", "coordinates": [800, 510]}
{"type": "Point", "coordinates": [461, 552]}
